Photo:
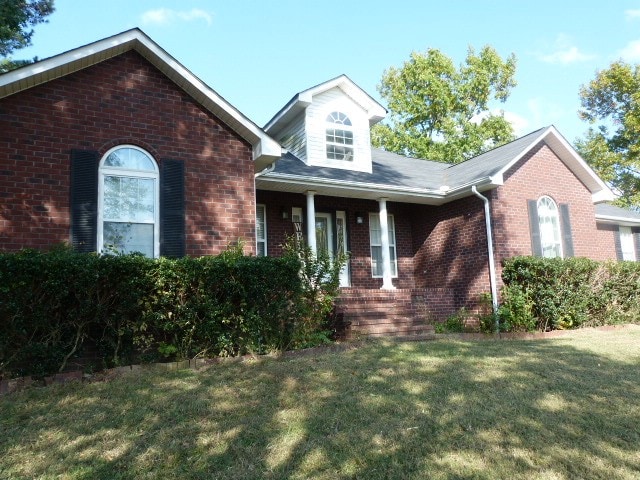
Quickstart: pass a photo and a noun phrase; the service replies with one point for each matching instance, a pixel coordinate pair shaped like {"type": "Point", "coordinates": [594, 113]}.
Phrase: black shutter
{"type": "Point", "coordinates": [618, 243]}
{"type": "Point", "coordinates": [534, 228]}
{"type": "Point", "coordinates": [84, 200]}
{"type": "Point", "coordinates": [565, 228]}
{"type": "Point", "coordinates": [172, 243]}
{"type": "Point", "coordinates": [636, 242]}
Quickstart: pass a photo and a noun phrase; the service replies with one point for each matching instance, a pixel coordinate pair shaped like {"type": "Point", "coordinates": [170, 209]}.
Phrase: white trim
{"type": "Point", "coordinates": [627, 237]}
{"type": "Point", "coordinates": [264, 221]}
{"type": "Point", "coordinates": [625, 221]}
{"type": "Point", "coordinates": [599, 190]}
{"type": "Point", "coordinates": [302, 100]}
{"type": "Point", "coordinates": [311, 222]}
{"type": "Point", "coordinates": [125, 172]}
{"type": "Point", "coordinates": [265, 149]}
{"type": "Point", "coordinates": [557, 230]}
{"type": "Point", "coordinates": [345, 275]}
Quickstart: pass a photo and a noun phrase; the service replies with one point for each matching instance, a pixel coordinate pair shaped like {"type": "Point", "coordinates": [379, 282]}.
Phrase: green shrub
{"type": "Point", "coordinates": [134, 308]}
{"type": "Point", "coordinates": [454, 323]}
{"type": "Point", "coordinates": [554, 294]}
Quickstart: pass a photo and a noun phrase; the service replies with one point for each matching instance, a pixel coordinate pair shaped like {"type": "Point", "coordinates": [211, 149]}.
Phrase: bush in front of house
{"type": "Point", "coordinates": [555, 294]}
{"type": "Point", "coordinates": [131, 308]}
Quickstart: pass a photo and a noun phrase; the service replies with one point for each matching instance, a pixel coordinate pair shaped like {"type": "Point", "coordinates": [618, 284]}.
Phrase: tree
{"type": "Point", "coordinates": [16, 18]}
{"type": "Point", "coordinates": [612, 148]}
{"type": "Point", "coordinates": [442, 113]}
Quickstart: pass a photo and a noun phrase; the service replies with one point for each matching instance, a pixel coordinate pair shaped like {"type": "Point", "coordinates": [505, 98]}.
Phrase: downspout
{"type": "Point", "coordinates": [492, 266]}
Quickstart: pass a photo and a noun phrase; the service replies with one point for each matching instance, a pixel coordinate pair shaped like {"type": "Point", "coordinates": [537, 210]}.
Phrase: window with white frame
{"type": "Point", "coordinates": [549, 221]}
{"type": "Point", "coordinates": [261, 231]}
{"type": "Point", "coordinates": [627, 244]}
{"type": "Point", "coordinates": [339, 137]}
{"type": "Point", "coordinates": [375, 236]}
{"type": "Point", "coordinates": [128, 199]}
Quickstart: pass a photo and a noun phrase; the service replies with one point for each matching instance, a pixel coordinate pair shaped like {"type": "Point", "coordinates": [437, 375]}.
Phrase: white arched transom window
{"type": "Point", "coordinates": [549, 219]}
{"type": "Point", "coordinates": [128, 202]}
{"type": "Point", "coordinates": [339, 137]}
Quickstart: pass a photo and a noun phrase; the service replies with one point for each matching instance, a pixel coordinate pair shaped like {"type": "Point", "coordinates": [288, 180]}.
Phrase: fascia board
{"type": "Point", "coordinates": [302, 100]}
{"type": "Point", "coordinates": [599, 190]}
{"type": "Point", "coordinates": [361, 186]}
{"type": "Point", "coordinates": [624, 221]}
{"type": "Point", "coordinates": [135, 39]}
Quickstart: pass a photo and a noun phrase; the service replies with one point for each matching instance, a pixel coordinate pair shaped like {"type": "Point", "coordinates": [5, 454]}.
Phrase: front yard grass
{"type": "Point", "coordinates": [547, 409]}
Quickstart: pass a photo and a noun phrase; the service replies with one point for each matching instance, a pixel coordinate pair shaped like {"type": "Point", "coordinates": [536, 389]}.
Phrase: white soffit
{"type": "Point", "coordinates": [600, 192]}
{"type": "Point", "coordinates": [302, 100]}
{"type": "Point", "coordinates": [265, 149]}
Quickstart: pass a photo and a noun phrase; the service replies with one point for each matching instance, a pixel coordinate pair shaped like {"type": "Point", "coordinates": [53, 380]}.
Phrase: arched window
{"type": "Point", "coordinates": [128, 202]}
{"type": "Point", "coordinates": [339, 137]}
{"type": "Point", "coordinates": [549, 221]}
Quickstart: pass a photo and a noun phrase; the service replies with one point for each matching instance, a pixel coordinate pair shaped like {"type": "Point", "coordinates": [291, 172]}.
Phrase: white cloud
{"type": "Point", "coordinates": [565, 53]}
{"type": "Point", "coordinates": [630, 53]}
{"type": "Point", "coordinates": [543, 112]}
{"type": "Point", "coordinates": [631, 14]}
{"type": "Point", "coordinates": [519, 123]}
{"type": "Point", "coordinates": [166, 16]}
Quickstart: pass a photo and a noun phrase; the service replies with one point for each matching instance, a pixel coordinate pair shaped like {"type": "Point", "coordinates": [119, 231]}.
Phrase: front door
{"type": "Point", "coordinates": [324, 233]}
{"type": "Point", "coordinates": [327, 242]}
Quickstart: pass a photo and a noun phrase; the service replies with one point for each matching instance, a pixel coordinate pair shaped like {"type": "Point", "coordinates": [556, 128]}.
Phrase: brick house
{"type": "Point", "coordinates": [117, 145]}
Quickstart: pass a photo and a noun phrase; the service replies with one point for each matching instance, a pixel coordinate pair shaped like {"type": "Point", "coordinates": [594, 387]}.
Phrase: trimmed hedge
{"type": "Point", "coordinates": [54, 304]}
{"type": "Point", "coordinates": [554, 294]}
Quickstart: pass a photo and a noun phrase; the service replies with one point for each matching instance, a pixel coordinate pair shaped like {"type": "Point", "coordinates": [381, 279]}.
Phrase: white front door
{"type": "Point", "coordinates": [326, 242]}
{"type": "Point", "coordinates": [324, 233]}
{"type": "Point", "coordinates": [341, 238]}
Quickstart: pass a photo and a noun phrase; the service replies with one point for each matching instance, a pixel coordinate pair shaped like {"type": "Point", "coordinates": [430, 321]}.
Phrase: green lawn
{"type": "Point", "coordinates": [555, 409]}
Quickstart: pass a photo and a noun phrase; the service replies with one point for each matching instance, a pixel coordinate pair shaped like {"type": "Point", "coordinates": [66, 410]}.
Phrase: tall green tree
{"type": "Point", "coordinates": [611, 105]}
{"type": "Point", "coordinates": [16, 19]}
{"type": "Point", "coordinates": [440, 112]}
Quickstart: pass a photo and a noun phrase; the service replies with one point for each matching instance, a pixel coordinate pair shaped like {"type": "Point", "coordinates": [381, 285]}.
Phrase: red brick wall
{"type": "Point", "coordinates": [121, 100]}
{"type": "Point", "coordinates": [451, 250]}
{"type": "Point", "coordinates": [540, 173]}
{"type": "Point", "coordinates": [358, 234]}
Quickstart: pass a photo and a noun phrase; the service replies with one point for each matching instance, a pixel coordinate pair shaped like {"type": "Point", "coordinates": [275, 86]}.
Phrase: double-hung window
{"type": "Point", "coordinates": [261, 231]}
{"type": "Point", "coordinates": [128, 200]}
{"type": "Point", "coordinates": [339, 137]}
{"type": "Point", "coordinates": [627, 244]}
{"type": "Point", "coordinates": [375, 236]}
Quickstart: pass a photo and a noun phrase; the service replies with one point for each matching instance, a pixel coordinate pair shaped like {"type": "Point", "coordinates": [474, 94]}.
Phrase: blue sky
{"type": "Point", "coordinates": [258, 54]}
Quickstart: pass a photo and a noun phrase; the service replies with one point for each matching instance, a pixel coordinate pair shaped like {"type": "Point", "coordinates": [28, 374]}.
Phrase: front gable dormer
{"type": "Point", "coordinates": [329, 125]}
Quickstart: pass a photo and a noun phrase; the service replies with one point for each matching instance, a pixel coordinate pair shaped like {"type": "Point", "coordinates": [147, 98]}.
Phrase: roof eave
{"type": "Point", "coordinates": [611, 219]}
{"type": "Point", "coordinates": [264, 148]}
{"type": "Point", "coordinates": [331, 187]}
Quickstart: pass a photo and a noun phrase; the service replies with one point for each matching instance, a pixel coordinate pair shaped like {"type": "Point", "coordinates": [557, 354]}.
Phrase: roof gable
{"type": "Point", "coordinates": [300, 101]}
{"type": "Point", "coordinates": [265, 149]}
{"type": "Point", "coordinates": [492, 166]}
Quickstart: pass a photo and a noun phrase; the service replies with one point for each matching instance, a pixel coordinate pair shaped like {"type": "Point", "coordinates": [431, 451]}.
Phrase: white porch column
{"type": "Point", "coordinates": [387, 284]}
{"type": "Point", "coordinates": [311, 222]}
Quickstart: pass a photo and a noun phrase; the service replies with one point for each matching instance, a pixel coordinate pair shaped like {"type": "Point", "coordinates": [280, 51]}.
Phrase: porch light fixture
{"type": "Point", "coordinates": [359, 218]}
{"type": "Point", "coordinates": [284, 213]}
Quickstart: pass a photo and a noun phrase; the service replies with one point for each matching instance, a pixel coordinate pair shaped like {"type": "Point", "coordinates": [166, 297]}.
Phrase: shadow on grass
{"type": "Point", "coordinates": [537, 409]}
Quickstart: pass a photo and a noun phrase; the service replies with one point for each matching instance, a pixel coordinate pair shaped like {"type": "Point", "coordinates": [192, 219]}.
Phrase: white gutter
{"type": "Point", "coordinates": [492, 266]}
{"type": "Point", "coordinates": [269, 168]}
{"type": "Point", "coordinates": [618, 220]}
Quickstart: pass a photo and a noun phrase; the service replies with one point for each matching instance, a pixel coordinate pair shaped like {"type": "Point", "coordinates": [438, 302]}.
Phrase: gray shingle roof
{"type": "Point", "coordinates": [393, 170]}
{"type": "Point", "coordinates": [608, 210]}
{"type": "Point", "coordinates": [488, 163]}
